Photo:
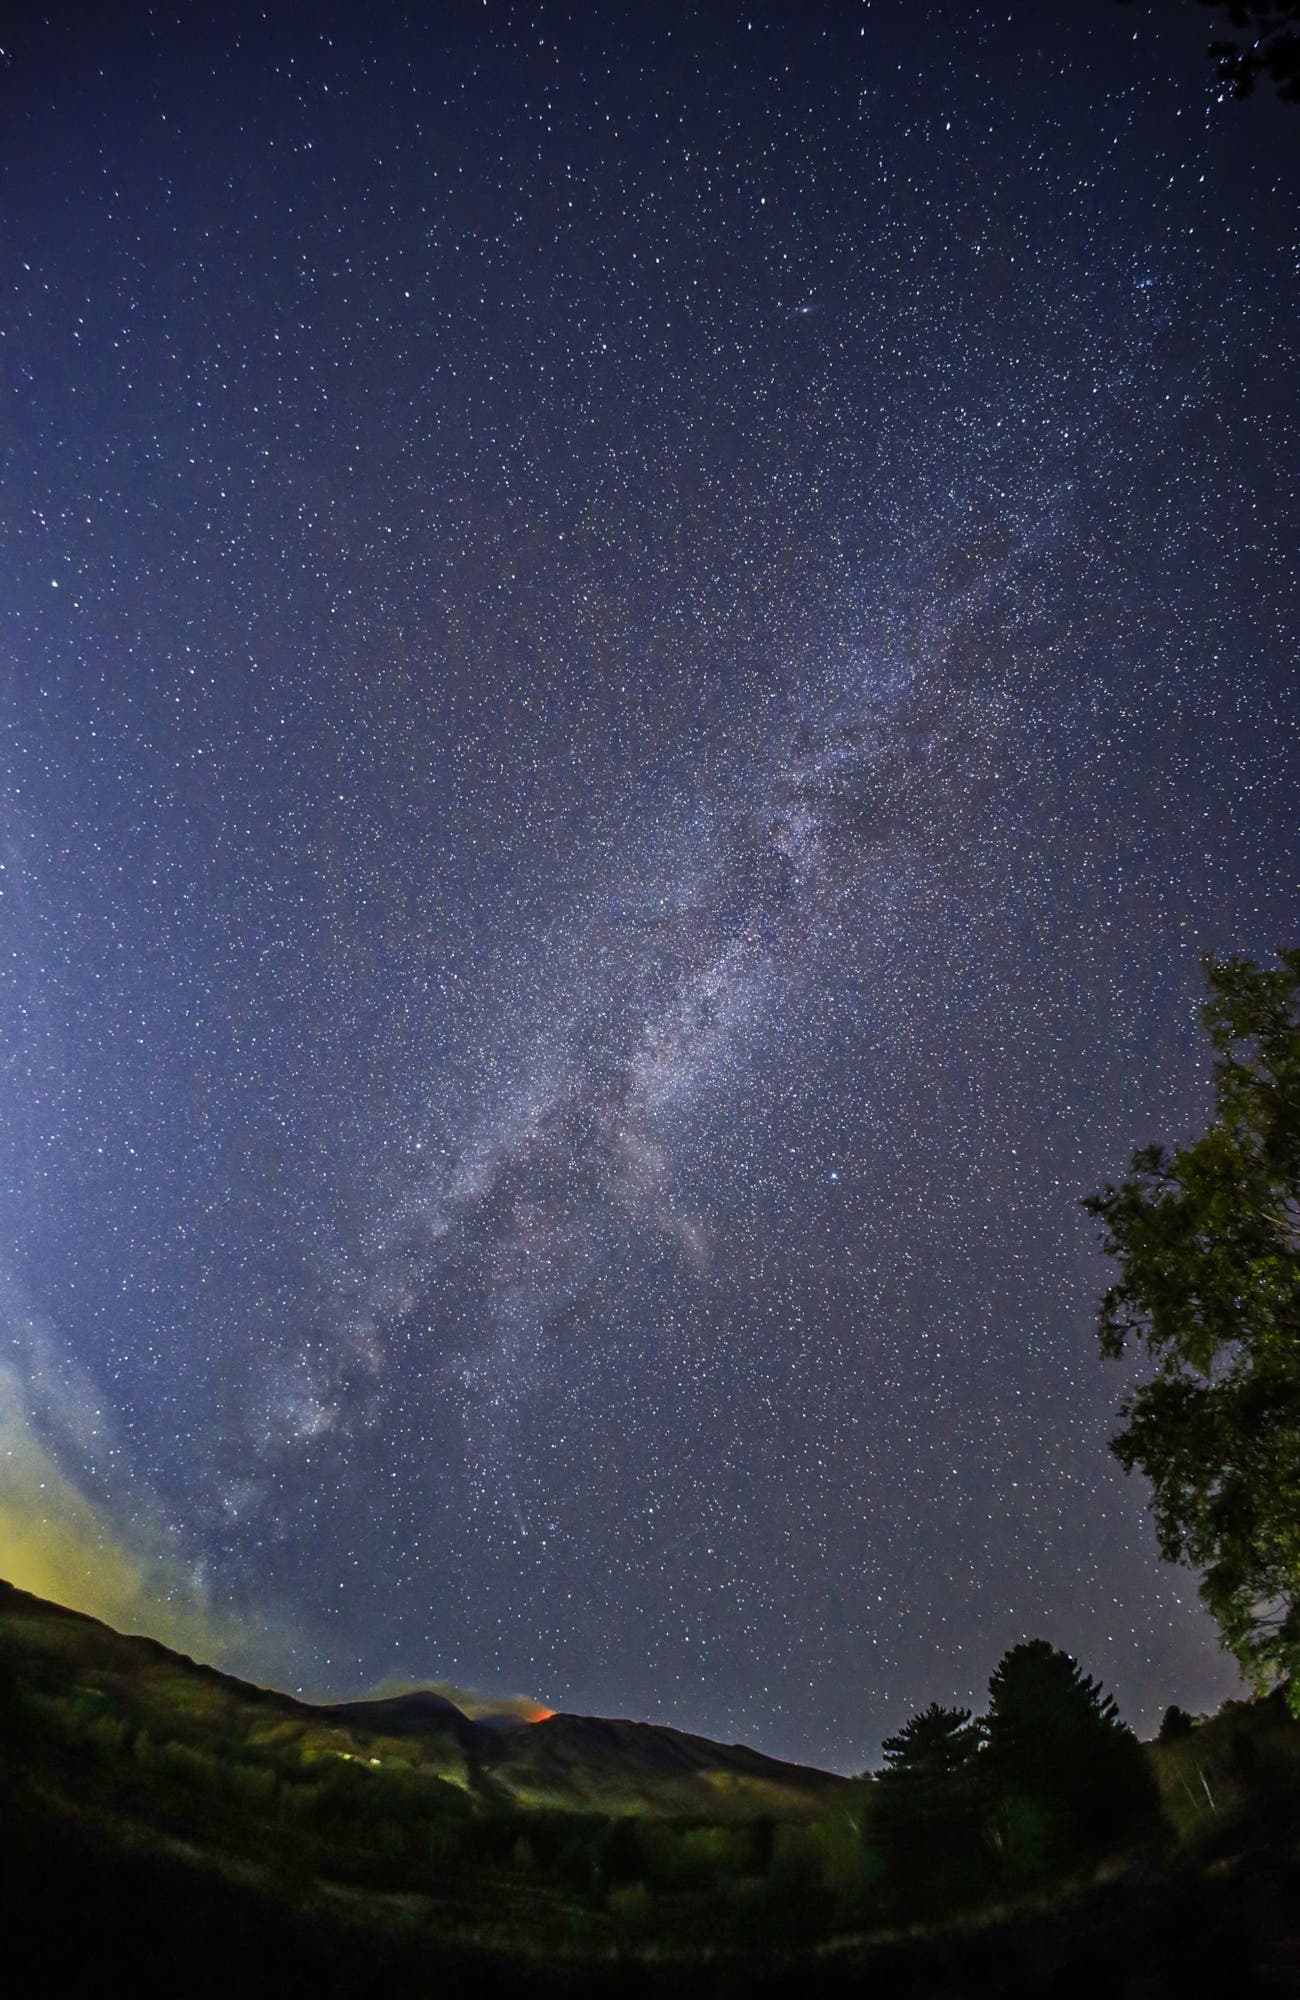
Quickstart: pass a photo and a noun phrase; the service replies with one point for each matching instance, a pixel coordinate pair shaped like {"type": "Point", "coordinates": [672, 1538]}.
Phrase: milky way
{"type": "Point", "coordinates": [641, 656]}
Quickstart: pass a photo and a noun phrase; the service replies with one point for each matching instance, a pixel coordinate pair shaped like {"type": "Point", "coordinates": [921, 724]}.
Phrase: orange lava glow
{"type": "Point", "coordinates": [542, 1715]}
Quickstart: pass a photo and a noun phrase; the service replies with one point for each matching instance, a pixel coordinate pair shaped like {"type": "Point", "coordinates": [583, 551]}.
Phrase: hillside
{"type": "Point", "coordinates": [563, 1762]}
{"type": "Point", "coordinates": [178, 1829]}
{"type": "Point", "coordinates": [592, 1765]}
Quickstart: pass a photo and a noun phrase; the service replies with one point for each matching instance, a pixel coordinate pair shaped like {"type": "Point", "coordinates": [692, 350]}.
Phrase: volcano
{"type": "Point", "coordinates": [575, 1763]}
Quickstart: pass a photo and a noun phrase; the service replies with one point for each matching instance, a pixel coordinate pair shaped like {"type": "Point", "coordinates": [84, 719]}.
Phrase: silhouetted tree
{"type": "Point", "coordinates": [1207, 1239]}
{"type": "Point", "coordinates": [1271, 47]}
{"type": "Point", "coordinates": [1175, 1724]}
{"type": "Point", "coordinates": [1067, 1774]}
{"type": "Point", "coordinates": [1268, 45]}
{"type": "Point", "coordinates": [928, 1811]}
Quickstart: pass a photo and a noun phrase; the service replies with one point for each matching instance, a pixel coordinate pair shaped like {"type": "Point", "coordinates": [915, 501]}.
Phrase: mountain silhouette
{"type": "Point", "coordinates": [569, 1762]}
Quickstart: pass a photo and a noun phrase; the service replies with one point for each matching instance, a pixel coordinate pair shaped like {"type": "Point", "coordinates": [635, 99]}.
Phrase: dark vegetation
{"type": "Point", "coordinates": [1267, 43]}
{"type": "Point", "coordinates": [165, 1825]}
{"type": "Point", "coordinates": [965, 1812]}
{"type": "Point", "coordinates": [1264, 45]}
{"type": "Point", "coordinates": [1207, 1239]}
{"type": "Point", "coordinates": [570, 1836]}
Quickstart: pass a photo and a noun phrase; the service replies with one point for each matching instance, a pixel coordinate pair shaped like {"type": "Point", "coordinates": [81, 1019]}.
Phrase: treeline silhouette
{"type": "Point", "coordinates": [1049, 1778]}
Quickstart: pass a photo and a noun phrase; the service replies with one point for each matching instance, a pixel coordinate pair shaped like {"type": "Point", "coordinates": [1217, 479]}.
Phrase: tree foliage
{"type": "Point", "coordinates": [927, 1811]}
{"type": "Point", "coordinates": [1267, 44]}
{"type": "Point", "coordinates": [1049, 1777]}
{"type": "Point", "coordinates": [1207, 1239]}
{"type": "Point", "coordinates": [1070, 1776]}
{"type": "Point", "coordinates": [929, 1767]}
{"type": "Point", "coordinates": [1175, 1724]}
{"type": "Point", "coordinates": [1270, 48]}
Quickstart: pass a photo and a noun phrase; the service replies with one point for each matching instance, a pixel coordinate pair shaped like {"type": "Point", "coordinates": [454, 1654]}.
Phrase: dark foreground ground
{"type": "Point", "coordinates": [90, 1920]}
{"type": "Point", "coordinates": [165, 1829]}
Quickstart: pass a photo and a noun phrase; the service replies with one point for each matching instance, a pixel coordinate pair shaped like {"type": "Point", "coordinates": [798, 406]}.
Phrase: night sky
{"type": "Point", "coordinates": [641, 652]}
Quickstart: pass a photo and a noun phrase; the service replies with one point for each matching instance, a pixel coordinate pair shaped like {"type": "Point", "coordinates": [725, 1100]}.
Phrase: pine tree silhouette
{"type": "Point", "coordinates": [1068, 1775]}
{"type": "Point", "coordinates": [928, 1813]}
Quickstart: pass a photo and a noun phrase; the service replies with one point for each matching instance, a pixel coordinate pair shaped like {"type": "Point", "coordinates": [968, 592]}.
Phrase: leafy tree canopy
{"type": "Point", "coordinates": [1271, 46]}
{"type": "Point", "coordinates": [1207, 1239]}
{"type": "Point", "coordinates": [1267, 44]}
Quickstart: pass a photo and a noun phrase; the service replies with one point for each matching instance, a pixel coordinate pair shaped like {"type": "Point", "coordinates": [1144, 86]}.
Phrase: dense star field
{"type": "Point", "coordinates": [642, 650]}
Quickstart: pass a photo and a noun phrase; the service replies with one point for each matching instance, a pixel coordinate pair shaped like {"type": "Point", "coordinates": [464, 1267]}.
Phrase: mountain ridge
{"type": "Point", "coordinates": [562, 1761]}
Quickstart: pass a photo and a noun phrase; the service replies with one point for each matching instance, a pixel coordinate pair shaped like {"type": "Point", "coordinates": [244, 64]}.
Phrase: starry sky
{"type": "Point", "coordinates": [641, 650]}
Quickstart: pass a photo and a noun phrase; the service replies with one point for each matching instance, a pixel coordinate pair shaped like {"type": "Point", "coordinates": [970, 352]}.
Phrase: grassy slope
{"type": "Point", "coordinates": [135, 1759]}
{"type": "Point", "coordinates": [207, 1836]}
{"type": "Point", "coordinates": [588, 1763]}
{"type": "Point", "coordinates": [570, 1763]}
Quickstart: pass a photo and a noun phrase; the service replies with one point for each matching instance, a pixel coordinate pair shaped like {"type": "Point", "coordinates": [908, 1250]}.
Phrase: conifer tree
{"type": "Point", "coordinates": [928, 1811]}
{"type": "Point", "coordinates": [1067, 1774]}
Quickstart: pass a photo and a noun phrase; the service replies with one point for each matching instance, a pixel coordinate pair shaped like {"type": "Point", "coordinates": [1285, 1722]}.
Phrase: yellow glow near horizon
{"type": "Point", "coordinates": [58, 1544]}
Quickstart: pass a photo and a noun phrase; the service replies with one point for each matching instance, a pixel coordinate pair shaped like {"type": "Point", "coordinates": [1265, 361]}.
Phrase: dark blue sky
{"type": "Point", "coordinates": [641, 651]}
